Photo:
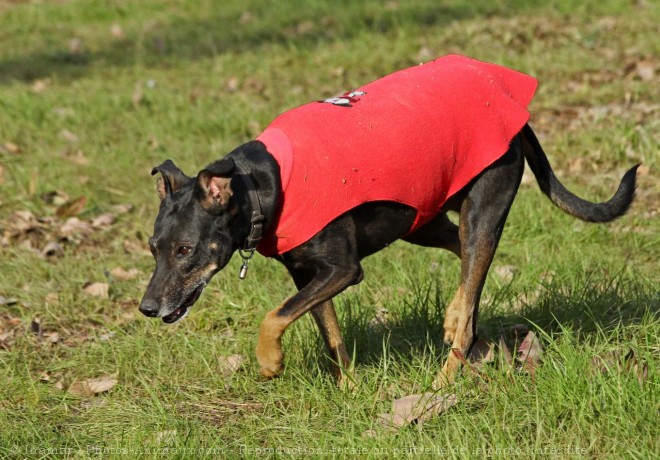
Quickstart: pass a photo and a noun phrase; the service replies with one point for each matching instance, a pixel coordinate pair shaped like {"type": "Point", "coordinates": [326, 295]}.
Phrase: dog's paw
{"type": "Point", "coordinates": [271, 372]}
{"type": "Point", "coordinates": [270, 361]}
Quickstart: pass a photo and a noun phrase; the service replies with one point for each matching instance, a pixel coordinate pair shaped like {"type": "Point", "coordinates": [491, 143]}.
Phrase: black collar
{"type": "Point", "coordinates": [256, 217]}
{"type": "Point", "coordinates": [256, 223]}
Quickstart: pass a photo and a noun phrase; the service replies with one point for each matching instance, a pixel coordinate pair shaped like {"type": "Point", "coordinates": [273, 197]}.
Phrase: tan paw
{"type": "Point", "coordinates": [271, 372]}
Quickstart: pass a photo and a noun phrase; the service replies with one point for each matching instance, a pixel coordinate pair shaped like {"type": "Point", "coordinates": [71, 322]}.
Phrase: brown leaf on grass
{"type": "Point", "coordinates": [416, 409]}
{"type": "Point", "coordinates": [7, 301]}
{"type": "Point", "coordinates": [608, 361]}
{"type": "Point", "coordinates": [116, 30]}
{"type": "Point", "coordinates": [72, 207]}
{"type": "Point", "coordinates": [22, 222]}
{"type": "Point", "coordinates": [124, 275]}
{"type": "Point", "coordinates": [645, 70]}
{"type": "Point", "coordinates": [232, 84]}
{"type": "Point", "coordinates": [75, 229]}
{"type": "Point", "coordinates": [504, 352]}
{"type": "Point", "coordinates": [91, 387]}
{"type": "Point", "coordinates": [52, 337]}
{"type": "Point", "coordinates": [10, 147]}
{"type": "Point", "coordinates": [104, 220]}
{"type": "Point", "coordinates": [97, 289]}
{"type": "Point", "coordinates": [529, 352]}
{"type": "Point", "coordinates": [122, 208]}
{"type": "Point", "coordinates": [52, 249]}
{"type": "Point", "coordinates": [231, 364]}
{"type": "Point", "coordinates": [481, 353]}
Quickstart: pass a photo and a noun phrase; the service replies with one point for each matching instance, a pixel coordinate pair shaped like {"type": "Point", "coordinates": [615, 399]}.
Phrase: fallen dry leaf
{"type": "Point", "coordinates": [122, 208]}
{"type": "Point", "coordinates": [417, 409]}
{"type": "Point", "coordinates": [52, 337]}
{"type": "Point", "coordinates": [7, 300]}
{"type": "Point", "coordinates": [91, 387]}
{"type": "Point", "coordinates": [101, 290]}
{"type": "Point", "coordinates": [11, 147]}
{"type": "Point", "coordinates": [124, 275]}
{"type": "Point", "coordinates": [505, 353]}
{"type": "Point", "coordinates": [231, 364]}
{"type": "Point", "coordinates": [104, 220]}
{"type": "Point", "coordinates": [72, 207]}
{"type": "Point", "coordinates": [608, 361]}
{"type": "Point", "coordinates": [529, 352]}
{"type": "Point", "coordinates": [75, 229]}
{"type": "Point", "coordinates": [116, 30]}
{"type": "Point", "coordinates": [52, 249]}
{"type": "Point", "coordinates": [481, 353]}
{"type": "Point", "coordinates": [645, 70]}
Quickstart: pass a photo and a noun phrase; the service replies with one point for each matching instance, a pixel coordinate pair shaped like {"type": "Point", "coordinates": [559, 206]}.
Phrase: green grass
{"type": "Point", "coordinates": [91, 112]}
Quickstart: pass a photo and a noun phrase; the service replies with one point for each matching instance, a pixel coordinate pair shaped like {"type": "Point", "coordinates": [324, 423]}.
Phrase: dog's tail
{"type": "Point", "coordinates": [568, 202]}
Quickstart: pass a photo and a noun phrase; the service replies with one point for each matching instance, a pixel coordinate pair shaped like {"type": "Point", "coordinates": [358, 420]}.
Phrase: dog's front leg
{"type": "Point", "coordinates": [326, 283]}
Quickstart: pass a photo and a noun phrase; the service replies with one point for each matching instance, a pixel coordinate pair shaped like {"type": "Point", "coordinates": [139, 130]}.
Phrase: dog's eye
{"type": "Point", "coordinates": [183, 251]}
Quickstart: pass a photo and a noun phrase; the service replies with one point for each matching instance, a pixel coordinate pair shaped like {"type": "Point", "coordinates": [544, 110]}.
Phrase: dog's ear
{"type": "Point", "coordinates": [172, 178]}
{"type": "Point", "coordinates": [213, 186]}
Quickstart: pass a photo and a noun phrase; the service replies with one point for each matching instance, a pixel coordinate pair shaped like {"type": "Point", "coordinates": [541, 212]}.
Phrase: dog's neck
{"type": "Point", "coordinates": [257, 191]}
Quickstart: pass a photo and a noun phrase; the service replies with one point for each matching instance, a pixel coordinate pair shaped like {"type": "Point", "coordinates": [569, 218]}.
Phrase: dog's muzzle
{"type": "Point", "coordinates": [150, 307]}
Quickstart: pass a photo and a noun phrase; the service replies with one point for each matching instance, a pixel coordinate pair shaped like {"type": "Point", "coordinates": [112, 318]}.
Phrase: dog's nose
{"type": "Point", "coordinates": [149, 307]}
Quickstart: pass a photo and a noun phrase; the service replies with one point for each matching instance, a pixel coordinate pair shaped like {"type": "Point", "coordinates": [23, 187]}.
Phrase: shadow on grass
{"type": "Point", "coordinates": [176, 40]}
{"type": "Point", "coordinates": [586, 306]}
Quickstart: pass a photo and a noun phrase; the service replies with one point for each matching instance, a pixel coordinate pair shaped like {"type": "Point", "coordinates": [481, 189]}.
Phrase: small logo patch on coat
{"type": "Point", "coordinates": [345, 100]}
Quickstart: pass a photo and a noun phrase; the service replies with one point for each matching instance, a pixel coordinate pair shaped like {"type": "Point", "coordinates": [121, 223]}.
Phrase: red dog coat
{"type": "Point", "coordinates": [415, 137]}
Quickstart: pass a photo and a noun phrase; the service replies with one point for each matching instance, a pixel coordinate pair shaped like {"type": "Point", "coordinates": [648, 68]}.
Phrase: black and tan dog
{"type": "Point", "coordinates": [235, 201]}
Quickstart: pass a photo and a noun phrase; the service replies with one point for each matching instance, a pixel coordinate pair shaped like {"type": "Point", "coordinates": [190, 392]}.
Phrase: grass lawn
{"type": "Point", "coordinates": [94, 93]}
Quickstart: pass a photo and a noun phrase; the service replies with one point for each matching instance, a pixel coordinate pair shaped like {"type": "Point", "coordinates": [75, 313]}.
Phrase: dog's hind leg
{"type": "Point", "coordinates": [442, 233]}
{"type": "Point", "coordinates": [325, 316]}
{"type": "Point", "coordinates": [482, 216]}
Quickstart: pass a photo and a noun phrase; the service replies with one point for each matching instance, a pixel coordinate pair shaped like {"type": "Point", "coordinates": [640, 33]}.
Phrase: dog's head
{"type": "Point", "coordinates": [192, 239]}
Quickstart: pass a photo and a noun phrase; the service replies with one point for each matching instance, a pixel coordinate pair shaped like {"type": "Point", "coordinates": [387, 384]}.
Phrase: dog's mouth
{"type": "Point", "coordinates": [182, 310]}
